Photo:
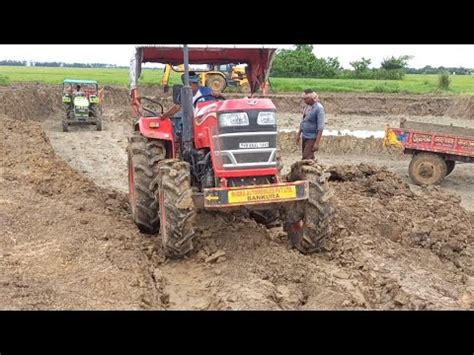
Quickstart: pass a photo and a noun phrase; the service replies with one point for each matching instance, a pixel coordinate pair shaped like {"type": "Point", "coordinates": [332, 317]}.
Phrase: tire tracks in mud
{"type": "Point", "coordinates": [91, 256]}
{"type": "Point", "coordinates": [261, 273]}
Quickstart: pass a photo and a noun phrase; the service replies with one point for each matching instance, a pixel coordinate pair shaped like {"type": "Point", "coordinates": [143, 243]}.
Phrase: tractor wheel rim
{"type": "Point", "coordinates": [426, 170]}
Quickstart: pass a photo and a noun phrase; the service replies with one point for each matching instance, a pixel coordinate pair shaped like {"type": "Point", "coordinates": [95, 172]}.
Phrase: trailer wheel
{"type": "Point", "coordinates": [427, 169]}
{"type": "Point", "coordinates": [450, 164]}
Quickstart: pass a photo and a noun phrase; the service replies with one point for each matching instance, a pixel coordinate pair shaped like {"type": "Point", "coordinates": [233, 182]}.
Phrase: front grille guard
{"type": "Point", "coordinates": [231, 154]}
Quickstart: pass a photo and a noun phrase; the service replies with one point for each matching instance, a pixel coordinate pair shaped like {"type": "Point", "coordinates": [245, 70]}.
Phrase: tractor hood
{"type": "Point", "coordinates": [258, 60]}
{"type": "Point", "coordinates": [81, 101]}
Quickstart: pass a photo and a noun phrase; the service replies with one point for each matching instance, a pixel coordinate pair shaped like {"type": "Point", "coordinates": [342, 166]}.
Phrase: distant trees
{"type": "Point", "coordinates": [361, 66]}
{"type": "Point", "coordinates": [396, 63]}
{"type": "Point", "coordinates": [23, 63]}
{"type": "Point", "coordinates": [301, 62]}
{"type": "Point", "coordinates": [15, 63]}
{"type": "Point", "coordinates": [431, 70]}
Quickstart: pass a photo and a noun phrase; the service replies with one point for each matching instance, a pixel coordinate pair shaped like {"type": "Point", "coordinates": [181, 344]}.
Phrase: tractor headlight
{"type": "Point", "coordinates": [233, 119]}
{"type": "Point", "coordinates": [266, 118]}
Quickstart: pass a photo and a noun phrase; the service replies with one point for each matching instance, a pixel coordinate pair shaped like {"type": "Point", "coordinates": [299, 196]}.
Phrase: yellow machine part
{"type": "Point", "coordinates": [391, 139]}
{"type": "Point", "coordinates": [238, 74]}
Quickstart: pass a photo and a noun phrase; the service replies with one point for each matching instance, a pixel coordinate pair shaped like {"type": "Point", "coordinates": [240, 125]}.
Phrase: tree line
{"type": "Point", "coordinates": [24, 63]}
{"type": "Point", "coordinates": [301, 62]}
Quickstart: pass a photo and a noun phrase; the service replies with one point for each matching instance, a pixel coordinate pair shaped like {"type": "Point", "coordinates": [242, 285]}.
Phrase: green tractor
{"type": "Point", "coordinates": [82, 101]}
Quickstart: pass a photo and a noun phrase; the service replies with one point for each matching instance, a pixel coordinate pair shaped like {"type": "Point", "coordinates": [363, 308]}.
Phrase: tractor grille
{"type": "Point", "coordinates": [252, 146]}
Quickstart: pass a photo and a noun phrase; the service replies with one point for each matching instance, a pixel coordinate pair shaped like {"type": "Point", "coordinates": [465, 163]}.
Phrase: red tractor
{"type": "Point", "coordinates": [215, 155]}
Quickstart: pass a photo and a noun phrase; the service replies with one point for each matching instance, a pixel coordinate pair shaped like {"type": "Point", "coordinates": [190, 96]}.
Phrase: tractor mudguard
{"type": "Point", "coordinates": [157, 128]}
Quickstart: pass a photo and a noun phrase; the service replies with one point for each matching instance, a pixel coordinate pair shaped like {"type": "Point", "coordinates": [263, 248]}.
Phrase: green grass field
{"type": "Point", "coordinates": [411, 84]}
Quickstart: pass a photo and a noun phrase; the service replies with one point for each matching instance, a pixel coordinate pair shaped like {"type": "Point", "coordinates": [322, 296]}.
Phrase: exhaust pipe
{"type": "Point", "coordinates": [187, 107]}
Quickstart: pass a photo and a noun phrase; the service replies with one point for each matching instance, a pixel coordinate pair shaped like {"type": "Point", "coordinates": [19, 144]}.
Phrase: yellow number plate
{"type": "Point", "coordinates": [262, 194]}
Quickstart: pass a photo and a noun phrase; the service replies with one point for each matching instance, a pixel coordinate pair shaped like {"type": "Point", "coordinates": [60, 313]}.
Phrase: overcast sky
{"type": "Point", "coordinates": [434, 55]}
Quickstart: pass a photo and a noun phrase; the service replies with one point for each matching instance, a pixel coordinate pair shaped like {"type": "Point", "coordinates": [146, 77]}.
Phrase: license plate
{"type": "Point", "coordinates": [253, 145]}
{"type": "Point", "coordinates": [262, 194]}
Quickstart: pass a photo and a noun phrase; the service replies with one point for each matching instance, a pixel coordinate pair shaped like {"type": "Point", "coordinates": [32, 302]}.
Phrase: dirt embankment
{"type": "Point", "coordinates": [339, 145]}
{"type": "Point", "coordinates": [33, 100]}
{"type": "Point", "coordinates": [68, 244]}
{"type": "Point", "coordinates": [382, 104]}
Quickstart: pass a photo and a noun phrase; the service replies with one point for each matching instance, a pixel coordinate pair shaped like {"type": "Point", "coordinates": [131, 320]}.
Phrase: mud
{"type": "Point", "coordinates": [337, 145]}
{"type": "Point", "coordinates": [68, 241]}
{"type": "Point", "coordinates": [30, 100]}
{"type": "Point", "coordinates": [291, 121]}
{"type": "Point", "coordinates": [370, 104]}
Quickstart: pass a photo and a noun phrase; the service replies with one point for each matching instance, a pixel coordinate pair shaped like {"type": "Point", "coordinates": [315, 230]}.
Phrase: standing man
{"type": "Point", "coordinates": [312, 124]}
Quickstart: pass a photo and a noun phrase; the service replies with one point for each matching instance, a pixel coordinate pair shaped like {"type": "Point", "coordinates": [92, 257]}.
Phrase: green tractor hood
{"type": "Point", "coordinates": [81, 101]}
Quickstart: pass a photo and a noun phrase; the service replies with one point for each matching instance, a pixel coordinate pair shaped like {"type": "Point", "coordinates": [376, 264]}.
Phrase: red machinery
{"type": "Point", "coordinates": [217, 154]}
{"type": "Point", "coordinates": [435, 148]}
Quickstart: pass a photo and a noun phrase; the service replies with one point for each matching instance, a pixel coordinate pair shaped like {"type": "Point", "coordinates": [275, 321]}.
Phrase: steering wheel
{"type": "Point", "coordinates": [220, 97]}
{"type": "Point", "coordinates": [154, 102]}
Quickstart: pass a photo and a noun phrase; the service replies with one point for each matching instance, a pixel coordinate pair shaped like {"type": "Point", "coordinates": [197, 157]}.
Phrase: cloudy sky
{"type": "Point", "coordinates": [434, 55]}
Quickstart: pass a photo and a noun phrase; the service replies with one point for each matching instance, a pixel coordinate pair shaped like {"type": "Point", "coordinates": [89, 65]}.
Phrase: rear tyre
{"type": "Point", "coordinates": [96, 114]}
{"type": "Point", "coordinates": [143, 157]}
{"type": "Point", "coordinates": [307, 222]}
{"type": "Point", "coordinates": [64, 124]}
{"type": "Point", "coordinates": [98, 123]}
{"type": "Point", "coordinates": [450, 165]}
{"type": "Point", "coordinates": [67, 117]}
{"type": "Point", "coordinates": [216, 82]}
{"type": "Point", "coordinates": [177, 210]}
{"type": "Point", "coordinates": [427, 169]}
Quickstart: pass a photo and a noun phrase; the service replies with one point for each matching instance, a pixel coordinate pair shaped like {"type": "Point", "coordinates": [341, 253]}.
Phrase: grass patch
{"type": "Point", "coordinates": [4, 80]}
{"type": "Point", "coordinates": [410, 84]}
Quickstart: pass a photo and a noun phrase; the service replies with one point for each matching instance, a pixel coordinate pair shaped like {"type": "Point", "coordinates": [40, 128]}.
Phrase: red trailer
{"type": "Point", "coordinates": [435, 148]}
